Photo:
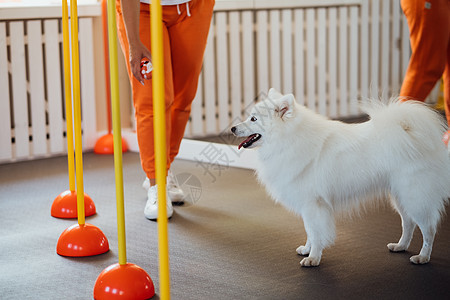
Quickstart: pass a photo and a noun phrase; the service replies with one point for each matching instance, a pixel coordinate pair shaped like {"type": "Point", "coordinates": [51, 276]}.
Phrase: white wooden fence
{"type": "Point", "coordinates": [329, 53]}
{"type": "Point", "coordinates": [32, 113]}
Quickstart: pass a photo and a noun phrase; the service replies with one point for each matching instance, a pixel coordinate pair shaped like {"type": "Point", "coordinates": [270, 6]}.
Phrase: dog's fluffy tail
{"type": "Point", "coordinates": [414, 131]}
{"type": "Point", "coordinates": [418, 127]}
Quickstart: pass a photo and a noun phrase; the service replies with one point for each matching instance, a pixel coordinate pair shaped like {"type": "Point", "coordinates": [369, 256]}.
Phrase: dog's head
{"type": "Point", "coordinates": [264, 117]}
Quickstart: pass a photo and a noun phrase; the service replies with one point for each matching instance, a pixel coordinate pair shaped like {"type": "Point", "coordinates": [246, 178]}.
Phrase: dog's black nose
{"type": "Point", "coordinates": [233, 129]}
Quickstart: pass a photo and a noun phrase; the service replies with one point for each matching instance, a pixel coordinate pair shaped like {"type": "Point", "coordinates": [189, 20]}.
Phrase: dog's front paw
{"type": "Point", "coordinates": [310, 262]}
{"type": "Point", "coordinates": [395, 247]}
{"type": "Point", "coordinates": [419, 259]}
{"type": "Point", "coordinates": [303, 250]}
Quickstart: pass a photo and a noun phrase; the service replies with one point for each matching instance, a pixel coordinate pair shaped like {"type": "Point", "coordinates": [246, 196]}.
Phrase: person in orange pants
{"type": "Point", "coordinates": [429, 26]}
{"type": "Point", "coordinates": [185, 29]}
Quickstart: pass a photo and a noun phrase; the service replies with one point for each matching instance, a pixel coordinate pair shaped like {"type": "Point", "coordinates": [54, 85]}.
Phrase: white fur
{"type": "Point", "coordinates": [319, 168]}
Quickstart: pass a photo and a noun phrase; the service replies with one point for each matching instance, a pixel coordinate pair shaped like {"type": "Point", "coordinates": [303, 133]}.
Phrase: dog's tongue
{"type": "Point", "coordinates": [244, 142]}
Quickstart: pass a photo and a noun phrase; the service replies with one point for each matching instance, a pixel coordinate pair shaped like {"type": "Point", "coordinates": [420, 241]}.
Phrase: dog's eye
{"type": "Point", "coordinates": [253, 119]}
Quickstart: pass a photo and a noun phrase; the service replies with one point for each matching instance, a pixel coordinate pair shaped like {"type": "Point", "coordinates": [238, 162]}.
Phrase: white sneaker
{"type": "Point", "coordinates": [174, 192]}
{"type": "Point", "coordinates": [146, 184]}
{"type": "Point", "coordinates": [151, 207]}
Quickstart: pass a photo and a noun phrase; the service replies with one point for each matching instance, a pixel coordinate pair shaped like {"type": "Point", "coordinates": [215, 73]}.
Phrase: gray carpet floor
{"type": "Point", "coordinates": [235, 243]}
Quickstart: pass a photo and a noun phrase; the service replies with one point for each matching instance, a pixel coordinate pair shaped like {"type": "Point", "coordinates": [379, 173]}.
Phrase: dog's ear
{"type": "Point", "coordinates": [274, 94]}
{"type": "Point", "coordinates": [286, 106]}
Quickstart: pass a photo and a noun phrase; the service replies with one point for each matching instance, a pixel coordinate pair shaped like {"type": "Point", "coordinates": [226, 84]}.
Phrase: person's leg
{"type": "Point", "coordinates": [428, 23]}
{"type": "Point", "coordinates": [188, 41]}
{"type": "Point", "coordinates": [142, 94]}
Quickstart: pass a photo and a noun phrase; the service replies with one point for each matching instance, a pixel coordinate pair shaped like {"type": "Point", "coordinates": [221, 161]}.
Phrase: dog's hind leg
{"type": "Point", "coordinates": [424, 207]}
{"type": "Point", "coordinates": [428, 233]}
{"type": "Point", "coordinates": [408, 226]}
{"type": "Point", "coordinates": [320, 228]}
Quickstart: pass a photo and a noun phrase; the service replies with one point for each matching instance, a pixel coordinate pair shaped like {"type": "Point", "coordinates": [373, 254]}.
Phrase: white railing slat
{"type": "Point", "coordinates": [37, 93]}
{"type": "Point", "coordinates": [223, 95]}
{"type": "Point", "coordinates": [19, 91]}
{"type": "Point", "coordinates": [310, 59]}
{"type": "Point", "coordinates": [209, 72]}
{"type": "Point", "coordinates": [434, 92]}
{"type": "Point", "coordinates": [405, 47]}
{"type": "Point", "coordinates": [262, 53]}
{"type": "Point", "coordinates": [5, 109]}
{"type": "Point", "coordinates": [374, 48]}
{"type": "Point", "coordinates": [321, 61]}
{"type": "Point", "coordinates": [196, 122]}
{"type": "Point", "coordinates": [332, 63]}
{"type": "Point", "coordinates": [385, 46]}
{"type": "Point", "coordinates": [54, 95]}
{"type": "Point", "coordinates": [275, 50]}
{"type": "Point", "coordinates": [353, 64]}
{"type": "Point", "coordinates": [87, 81]}
{"type": "Point", "coordinates": [299, 52]}
{"type": "Point", "coordinates": [364, 50]}
{"type": "Point", "coordinates": [248, 65]}
{"type": "Point", "coordinates": [287, 57]}
{"type": "Point", "coordinates": [343, 59]}
{"type": "Point", "coordinates": [235, 65]}
{"type": "Point", "coordinates": [395, 49]}
{"type": "Point", "coordinates": [187, 130]}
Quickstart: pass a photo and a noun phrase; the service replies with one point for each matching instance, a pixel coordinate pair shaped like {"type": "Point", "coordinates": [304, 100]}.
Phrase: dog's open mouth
{"type": "Point", "coordinates": [249, 140]}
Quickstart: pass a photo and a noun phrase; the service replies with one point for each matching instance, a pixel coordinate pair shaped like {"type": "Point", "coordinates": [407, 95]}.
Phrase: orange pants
{"type": "Point", "coordinates": [429, 26]}
{"type": "Point", "coordinates": [184, 42]}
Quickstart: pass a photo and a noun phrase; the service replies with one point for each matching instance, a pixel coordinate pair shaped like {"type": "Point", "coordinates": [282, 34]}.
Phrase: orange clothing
{"type": "Point", "coordinates": [429, 26]}
{"type": "Point", "coordinates": [185, 31]}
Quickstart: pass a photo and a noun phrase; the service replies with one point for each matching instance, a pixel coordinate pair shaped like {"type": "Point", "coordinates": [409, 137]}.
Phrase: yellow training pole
{"type": "Point", "coordinates": [65, 204]}
{"type": "Point", "coordinates": [80, 239]}
{"type": "Point", "coordinates": [440, 100]}
{"type": "Point", "coordinates": [77, 111]}
{"type": "Point", "coordinates": [114, 79]}
{"type": "Point", "coordinates": [68, 95]}
{"type": "Point", "coordinates": [122, 280]}
{"type": "Point", "coordinates": [159, 109]}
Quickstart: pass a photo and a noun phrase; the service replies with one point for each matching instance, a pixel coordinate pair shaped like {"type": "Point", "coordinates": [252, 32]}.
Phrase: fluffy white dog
{"type": "Point", "coordinates": [319, 168]}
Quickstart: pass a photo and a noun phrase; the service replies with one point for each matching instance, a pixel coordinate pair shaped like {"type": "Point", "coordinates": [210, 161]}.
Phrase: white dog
{"type": "Point", "coordinates": [318, 167]}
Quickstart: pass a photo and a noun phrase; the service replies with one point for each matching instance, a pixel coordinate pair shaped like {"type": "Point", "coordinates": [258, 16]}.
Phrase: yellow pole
{"type": "Point", "coordinates": [68, 95]}
{"type": "Point", "coordinates": [440, 100]}
{"type": "Point", "coordinates": [115, 107]}
{"type": "Point", "coordinates": [159, 109]}
{"type": "Point", "coordinates": [77, 111]}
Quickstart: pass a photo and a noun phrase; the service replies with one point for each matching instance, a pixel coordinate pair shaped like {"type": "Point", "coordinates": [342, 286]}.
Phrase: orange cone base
{"type": "Point", "coordinates": [446, 137]}
{"type": "Point", "coordinates": [82, 240]}
{"type": "Point", "coordinates": [123, 282]}
{"type": "Point", "coordinates": [105, 145]}
{"type": "Point", "coordinates": [65, 206]}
